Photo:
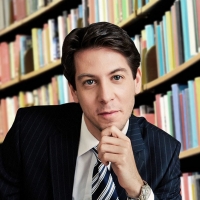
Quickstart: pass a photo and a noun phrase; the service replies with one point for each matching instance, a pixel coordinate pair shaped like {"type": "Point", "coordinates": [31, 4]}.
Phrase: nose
{"type": "Point", "coordinates": [105, 92]}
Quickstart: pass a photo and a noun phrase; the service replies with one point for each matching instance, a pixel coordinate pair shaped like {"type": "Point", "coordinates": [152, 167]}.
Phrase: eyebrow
{"type": "Point", "coordinates": [93, 76]}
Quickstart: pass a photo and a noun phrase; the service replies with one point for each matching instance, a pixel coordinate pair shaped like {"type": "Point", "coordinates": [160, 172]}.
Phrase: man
{"type": "Point", "coordinates": [50, 151]}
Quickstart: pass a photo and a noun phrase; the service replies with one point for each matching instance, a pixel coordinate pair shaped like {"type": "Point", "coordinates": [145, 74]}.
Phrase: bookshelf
{"type": "Point", "coordinates": [28, 19]}
{"type": "Point", "coordinates": [138, 19]}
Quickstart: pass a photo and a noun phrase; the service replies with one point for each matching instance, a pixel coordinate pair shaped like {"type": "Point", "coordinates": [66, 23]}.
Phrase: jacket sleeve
{"type": "Point", "coordinates": [10, 167]}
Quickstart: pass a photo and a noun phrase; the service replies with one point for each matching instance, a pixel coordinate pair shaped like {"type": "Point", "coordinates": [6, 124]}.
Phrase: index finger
{"type": "Point", "coordinates": [113, 131]}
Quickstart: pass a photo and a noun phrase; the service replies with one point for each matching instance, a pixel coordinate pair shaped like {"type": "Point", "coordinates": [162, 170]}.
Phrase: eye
{"type": "Point", "coordinates": [89, 82]}
{"type": "Point", "coordinates": [117, 77]}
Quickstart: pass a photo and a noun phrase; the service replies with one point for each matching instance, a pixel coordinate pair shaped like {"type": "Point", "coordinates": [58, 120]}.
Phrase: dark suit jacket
{"type": "Point", "coordinates": [38, 155]}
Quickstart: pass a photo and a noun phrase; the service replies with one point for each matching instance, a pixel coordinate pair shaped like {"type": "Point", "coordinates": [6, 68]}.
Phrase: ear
{"type": "Point", "coordinates": [138, 81]}
{"type": "Point", "coordinates": [74, 93]}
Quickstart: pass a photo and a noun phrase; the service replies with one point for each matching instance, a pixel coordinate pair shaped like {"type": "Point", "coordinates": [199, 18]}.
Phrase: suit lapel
{"type": "Point", "coordinates": [63, 150]}
{"type": "Point", "coordinates": [135, 135]}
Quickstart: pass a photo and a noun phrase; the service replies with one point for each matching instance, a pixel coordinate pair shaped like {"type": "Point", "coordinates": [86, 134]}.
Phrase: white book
{"type": "Point", "coordinates": [74, 17]}
{"type": "Point", "coordinates": [182, 189]}
{"type": "Point", "coordinates": [10, 109]}
{"type": "Point", "coordinates": [2, 24]}
{"type": "Point", "coordinates": [52, 42]}
{"type": "Point", "coordinates": [101, 10]}
{"type": "Point", "coordinates": [65, 89]}
{"type": "Point", "coordinates": [167, 118]}
{"type": "Point", "coordinates": [61, 33]}
{"type": "Point", "coordinates": [162, 113]}
{"type": "Point", "coordinates": [190, 187]}
{"type": "Point", "coordinates": [29, 98]}
{"type": "Point", "coordinates": [191, 27]}
{"type": "Point", "coordinates": [36, 97]}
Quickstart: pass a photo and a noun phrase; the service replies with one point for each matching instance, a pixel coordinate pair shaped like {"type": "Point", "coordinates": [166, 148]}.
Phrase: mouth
{"type": "Point", "coordinates": [108, 113]}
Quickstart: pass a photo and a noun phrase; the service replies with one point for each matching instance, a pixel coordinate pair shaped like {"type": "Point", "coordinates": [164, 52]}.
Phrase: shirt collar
{"type": "Point", "coordinates": [87, 140]}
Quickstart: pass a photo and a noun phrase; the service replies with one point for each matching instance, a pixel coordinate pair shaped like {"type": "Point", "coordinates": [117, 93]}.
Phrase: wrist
{"type": "Point", "coordinates": [144, 193]}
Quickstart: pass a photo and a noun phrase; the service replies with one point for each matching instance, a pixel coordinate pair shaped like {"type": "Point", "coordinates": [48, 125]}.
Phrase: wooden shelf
{"type": "Point", "coordinates": [189, 153]}
{"type": "Point", "coordinates": [31, 75]}
{"type": "Point", "coordinates": [146, 7]}
{"type": "Point", "coordinates": [30, 17]}
{"type": "Point", "coordinates": [128, 20]}
{"type": "Point", "coordinates": [41, 70]}
{"type": "Point", "coordinates": [173, 73]}
{"type": "Point", "coordinates": [9, 84]}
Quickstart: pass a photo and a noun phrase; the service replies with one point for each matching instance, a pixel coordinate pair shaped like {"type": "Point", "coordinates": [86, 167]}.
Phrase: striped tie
{"type": "Point", "coordinates": [103, 187]}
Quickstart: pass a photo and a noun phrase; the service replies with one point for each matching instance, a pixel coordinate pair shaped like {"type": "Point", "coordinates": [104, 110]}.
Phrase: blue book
{"type": "Point", "coordinates": [40, 48]}
{"type": "Point", "coordinates": [96, 11]}
{"type": "Point", "coordinates": [60, 88]}
{"type": "Point", "coordinates": [193, 115]}
{"type": "Point", "coordinates": [150, 36]}
{"type": "Point", "coordinates": [22, 52]}
{"type": "Point", "coordinates": [176, 88]}
{"type": "Point", "coordinates": [160, 50]}
{"type": "Point", "coordinates": [166, 44]}
{"type": "Point", "coordinates": [139, 3]}
{"type": "Point", "coordinates": [184, 16]}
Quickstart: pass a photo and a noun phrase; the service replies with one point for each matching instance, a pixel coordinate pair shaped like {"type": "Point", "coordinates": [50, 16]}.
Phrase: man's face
{"type": "Point", "coordinates": [105, 88]}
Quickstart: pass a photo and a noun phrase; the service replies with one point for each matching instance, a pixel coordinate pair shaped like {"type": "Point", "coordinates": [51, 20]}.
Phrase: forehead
{"type": "Point", "coordinates": [99, 60]}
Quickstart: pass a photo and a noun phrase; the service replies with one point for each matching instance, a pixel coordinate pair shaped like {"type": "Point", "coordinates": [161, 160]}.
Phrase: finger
{"type": "Point", "coordinates": [114, 141]}
{"type": "Point", "coordinates": [116, 159]}
{"type": "Point", "coordinates": [114, 132]}
{"type": "Point", "coordinates": [107, 148]}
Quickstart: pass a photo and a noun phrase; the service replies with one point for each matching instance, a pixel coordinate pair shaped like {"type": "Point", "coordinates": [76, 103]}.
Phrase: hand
{"type": "Point", "coordinates": [115, 147]}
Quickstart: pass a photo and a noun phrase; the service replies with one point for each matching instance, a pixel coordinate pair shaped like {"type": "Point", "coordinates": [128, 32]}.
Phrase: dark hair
{"type": "Point", "coordinates": [101, 34]}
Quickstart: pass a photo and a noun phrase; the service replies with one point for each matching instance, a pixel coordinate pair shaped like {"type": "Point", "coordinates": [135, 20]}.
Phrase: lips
{"type": "Point", "coordinates": [108, 112]}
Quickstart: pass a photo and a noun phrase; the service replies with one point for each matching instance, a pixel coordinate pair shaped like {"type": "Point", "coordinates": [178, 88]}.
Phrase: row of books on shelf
{"type": "Point", "coordinates": [12, 11]}
{"type": "Point", "coordinates": [32, 52]}
{"type": "Point", "coordinates": [177, 112]}
{"type": "Point", "coordinates": [190, 186]}
{"type": "Point", "coordinates": [54, 93]}
{"type": "Point", "coordinates": [100, 10]}
{"type": "Point", "coordinates": [163, 45]}
{"type": "Point", "coordinates": [170, 42]}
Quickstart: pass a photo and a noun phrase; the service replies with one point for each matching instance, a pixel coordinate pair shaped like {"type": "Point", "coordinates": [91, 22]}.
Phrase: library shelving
{"type": "Point", "coordinates": [133, 24]}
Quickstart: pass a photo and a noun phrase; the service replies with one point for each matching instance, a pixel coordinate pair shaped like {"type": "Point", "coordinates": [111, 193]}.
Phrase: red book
{"type": "Point", "coordinates": [3, 119]}
{"type": "Point", "coordinates": [182, 121]}
{"type": "Point", "coordinates": [5, 62]}
{"type": "Point", "coordinates": [198, 19]}
{"type": "Point", "coordinates": [55, 90]}
{"type": "Point", "coordinates": [185, 183]}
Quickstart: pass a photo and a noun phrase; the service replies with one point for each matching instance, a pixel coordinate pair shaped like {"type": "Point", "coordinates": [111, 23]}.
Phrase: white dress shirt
{"type": "Point", "coordinates": [85, 164]}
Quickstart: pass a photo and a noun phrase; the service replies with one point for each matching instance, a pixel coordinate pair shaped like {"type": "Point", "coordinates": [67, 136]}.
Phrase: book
{"type": "Point", "coordinates": [184, 16]}
{"type": "Point", "coordinates": [176, 88]}
{"type": "Point", "coordinates": [34, 33]}
{"type": "Point", "coordinates": [159, 50]}
{"type": "Point", "coordinates": [165, 42]}
{"type": "Point", "coordinates": [5, 63]}
{"type": "Point", "coordinates": [192, 113]}
{"type": "Point", "coordinates": [170, 114]}
{"type": "Point", "coordinates": [184, 119]}
{"type": "Point", "coordinates": [170, 41]}
{"type": "Point", "coordinates": [191, 27]}
{"type": "Point", "coordinates": [197, 103]}
{"type": "Point", "coordinates": [188, 118]}
{"type": "Point", "coordinates": [177, 33]}
{"type": "Point", "coordinates": [198, 22]}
